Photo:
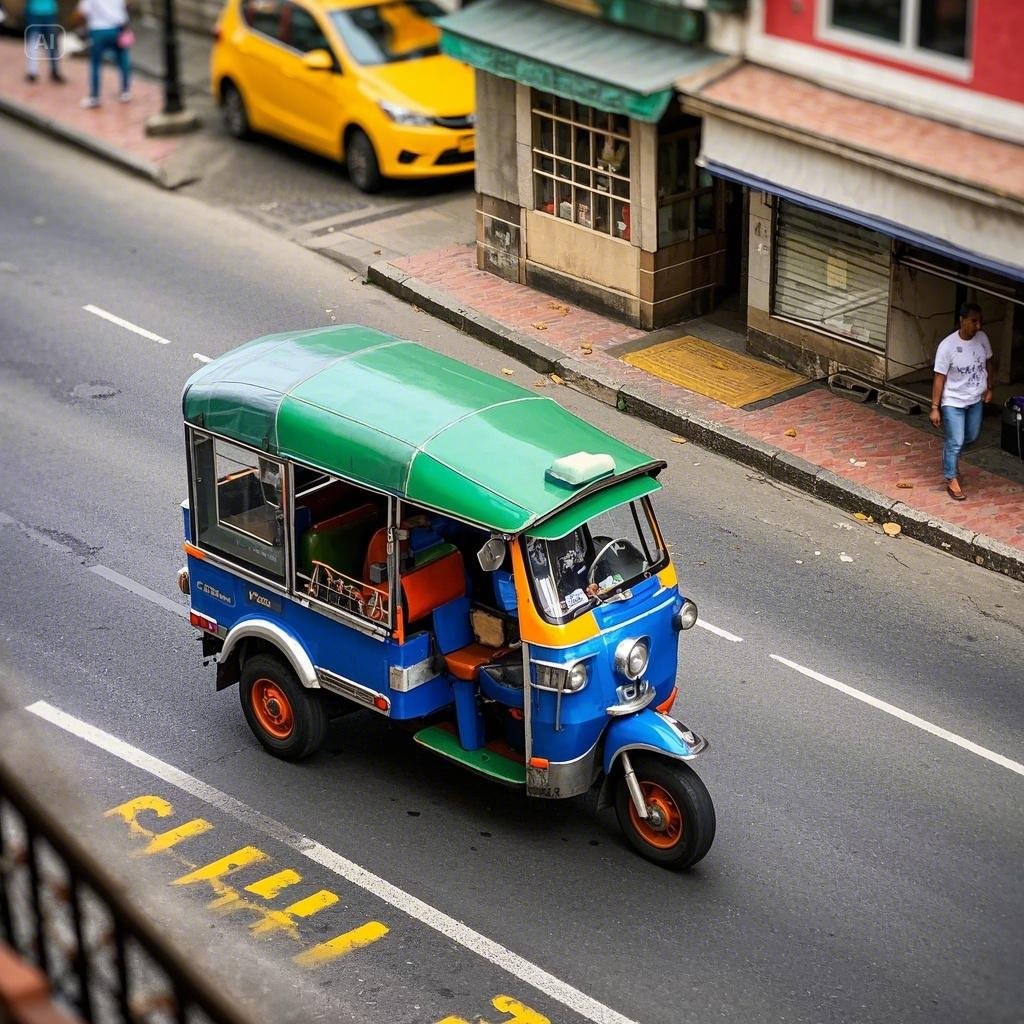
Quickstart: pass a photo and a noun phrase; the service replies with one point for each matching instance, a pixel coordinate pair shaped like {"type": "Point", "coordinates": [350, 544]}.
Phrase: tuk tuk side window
{"type": "Point", "coordinates": [238, 504]}
{"type": "Point", "coordinates": [595, 561]}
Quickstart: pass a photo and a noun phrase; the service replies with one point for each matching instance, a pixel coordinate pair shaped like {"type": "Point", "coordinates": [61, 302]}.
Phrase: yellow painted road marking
{"type": "Point", "coordinates": [219, 869]}
{"type": "Point", "coordinates": [173, 836]}
{"type": "Point", "coordinates": [521, 1013]}
{"type": "Point", "coordinates": [273, 885]}
{"type": "Point", "coordinates": [284, 920]}
{"type": "Point", "coordinates": [131, 809]}
{"type": "Point", "coordinates": [325, 952]}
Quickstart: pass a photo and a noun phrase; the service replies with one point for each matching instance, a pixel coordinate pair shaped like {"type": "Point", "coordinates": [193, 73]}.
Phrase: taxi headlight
{"type": "Point", "coordinates": [402, 115]}
{"type": "Point", "coordinates": [631, 657]}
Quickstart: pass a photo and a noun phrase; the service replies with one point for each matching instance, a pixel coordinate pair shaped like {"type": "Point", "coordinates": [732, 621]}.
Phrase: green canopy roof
{"type": "Point", "coordinates": [400, 418]}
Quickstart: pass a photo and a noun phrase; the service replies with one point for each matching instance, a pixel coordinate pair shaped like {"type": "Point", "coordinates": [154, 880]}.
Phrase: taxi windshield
{"type": "Point", "coordinates": [595, 562]}
{"type": "Point", "coordinates": [387, 32]}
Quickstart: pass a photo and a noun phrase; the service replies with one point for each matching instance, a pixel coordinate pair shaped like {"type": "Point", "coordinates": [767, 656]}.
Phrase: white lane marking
{"type": "Point", "coordinates": [906, 716]}
{"type": "Point", "coordinates": [718, 631]}
{"type": "Point", "coordinates": [139, 589]}
{"type": "Point", "coordinates": [573, 998]}
{"type": "Point", "coordinates": [199, 357]}
{"type": "Point", "coordinates": [126, 324]}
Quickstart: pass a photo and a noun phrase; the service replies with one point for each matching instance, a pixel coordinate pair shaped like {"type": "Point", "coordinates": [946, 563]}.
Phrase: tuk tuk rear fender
{"type": "Point", "coordinates": [266, 634]}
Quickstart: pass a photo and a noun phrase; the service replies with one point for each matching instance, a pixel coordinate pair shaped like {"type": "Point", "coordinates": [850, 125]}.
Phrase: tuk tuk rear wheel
{"type": "Point", "coordinates": [289, 721]}
{"type": "Point", "coordinates": [680, 827]}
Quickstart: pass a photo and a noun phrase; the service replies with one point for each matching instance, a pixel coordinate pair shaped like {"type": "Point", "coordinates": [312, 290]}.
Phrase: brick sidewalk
{"type": "Point", "coordinates": [894, 457]}
{"type": "Point", "coordinates": [113, 125]}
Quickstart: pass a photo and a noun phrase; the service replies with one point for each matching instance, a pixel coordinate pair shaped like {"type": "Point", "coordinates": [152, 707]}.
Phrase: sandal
{"type": "Point", "coordinates": [958, 494]}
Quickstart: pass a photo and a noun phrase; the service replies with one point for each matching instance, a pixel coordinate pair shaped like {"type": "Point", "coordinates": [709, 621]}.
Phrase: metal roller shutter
{"type": "Point", "coordinates": [831, 274]}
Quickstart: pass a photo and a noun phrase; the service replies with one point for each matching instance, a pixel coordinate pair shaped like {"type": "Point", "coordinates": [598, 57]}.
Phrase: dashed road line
{"type": "Point", "coordinates": [904, 716]}
{"type": "Point", "coordinates": [126, 324]}
{"type": "Point", "coordinates": [489, 950]}
{"type": "Point", "coordinates": [718, 631]}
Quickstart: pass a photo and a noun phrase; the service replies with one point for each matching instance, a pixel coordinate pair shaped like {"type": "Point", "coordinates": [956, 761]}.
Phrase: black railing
{"type": "Point", "coordinates": [62, 911]}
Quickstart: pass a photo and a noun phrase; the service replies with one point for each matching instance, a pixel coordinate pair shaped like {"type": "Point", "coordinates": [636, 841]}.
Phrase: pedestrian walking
{"type": "Point", "coordinates": [109, 32]}
{"type": "Point", "coordinates": [42, 30]}
{"type": "Point", "coordinates": [960, 388]}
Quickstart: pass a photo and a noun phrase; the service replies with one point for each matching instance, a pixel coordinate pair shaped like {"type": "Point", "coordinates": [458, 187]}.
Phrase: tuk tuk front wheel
{"type": "Point", "coordinates": [680, 826]}
{"type": "Point", "coordinates": [288, 720]}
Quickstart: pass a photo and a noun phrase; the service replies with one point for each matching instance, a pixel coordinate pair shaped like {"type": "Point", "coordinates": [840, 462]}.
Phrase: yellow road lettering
{"type": "Point", "coordinates": [330, 950]}
{"type": "Point", "coordinates": [131, 809]}
{"type": "Point", "coordinates": [219, 869]}
{"type": "Point", "coordinates": [285, 919]}
{"type": "Point", "coordinates": [173, 836]}
{"type": "Point", "coordinates": [272, 885]}
{"type": "Point", "coordinates": [521, 1013]}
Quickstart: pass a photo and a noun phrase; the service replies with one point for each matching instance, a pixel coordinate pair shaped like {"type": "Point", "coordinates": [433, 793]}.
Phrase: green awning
{"type": "Point", "coordinates": [572, 55]}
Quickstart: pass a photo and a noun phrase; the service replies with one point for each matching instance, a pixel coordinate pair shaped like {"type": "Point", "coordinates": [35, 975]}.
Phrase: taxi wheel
{"type": "Point", "coordinates": [361, 160]}
{"type": "Point", "coordinates": [233, 112]}
{"type": "Point", "coordinates": [680, 826]}
{"type": "Point", "coordinates": [287, 719]}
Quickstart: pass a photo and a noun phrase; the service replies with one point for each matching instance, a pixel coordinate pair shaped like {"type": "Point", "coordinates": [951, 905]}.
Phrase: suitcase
{"type": "Point", "coordinates": [1012, 434]}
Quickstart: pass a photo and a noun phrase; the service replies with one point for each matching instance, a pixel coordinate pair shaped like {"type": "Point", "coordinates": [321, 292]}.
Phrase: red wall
{"type": "Point", "coordinates": [998, 44]}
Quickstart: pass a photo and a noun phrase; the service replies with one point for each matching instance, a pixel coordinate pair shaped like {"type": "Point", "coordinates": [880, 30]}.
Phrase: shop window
{"type": "Point", "coordinates": [238, 504]}
{"type": "Point", "coordinates": [831, 275]}
{"type": "Point", "coordinates": [921, 27]}
{"type": "Point", "coordinates": [686, 193]}
{"type": "Point", "coordinates": [581, 164]}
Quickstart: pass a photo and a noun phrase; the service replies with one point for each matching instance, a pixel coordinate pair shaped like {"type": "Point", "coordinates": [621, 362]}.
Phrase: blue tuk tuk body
{"type": "Point", "coordinates": [372, 525]}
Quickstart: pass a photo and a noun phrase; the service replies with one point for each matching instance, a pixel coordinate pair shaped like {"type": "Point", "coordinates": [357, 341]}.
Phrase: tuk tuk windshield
{"type": "Point", "coordinates": [594, 562]}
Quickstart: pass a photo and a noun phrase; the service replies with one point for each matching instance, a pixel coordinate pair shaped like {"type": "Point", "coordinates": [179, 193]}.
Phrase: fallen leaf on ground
{"type": "Point", "coordinates": [561, 307]}
{"type": "Point", "coordinates": [556, 378]}
{"type": "Point", "coordinates": [376, 252]}
{"type": "Point", "coordinates": [540, 326]}
{"type": "Point", "coordinates": [587, 349]}
{"type": "Point", "coordinates": [791, 432]}
{"type": "Point", "coordinates": [508, 373]}
{"type": "Point", "coordinates": [904, 483]}
{"type": "Point", "coordinates": [678, 440]}
{"type": "Point", "coordinates": [859, 463]}
{"type": "Point", "coordinates": [540, 383]}
{"type": "Point", "coordinates": [863, 517]}
{"type": "Point", "coordinates": [892, 529]}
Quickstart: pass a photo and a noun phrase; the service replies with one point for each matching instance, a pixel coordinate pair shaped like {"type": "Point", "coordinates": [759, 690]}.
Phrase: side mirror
{"type": "Point", "coordinates": [491, 555]}
{"type": "Point", "coordinates": [318, 60]}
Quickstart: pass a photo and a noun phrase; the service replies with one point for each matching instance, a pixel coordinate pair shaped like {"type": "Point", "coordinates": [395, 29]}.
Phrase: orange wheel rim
{"type": "Point", "coordinates": [272, 709]}
{"type": "Point", "coordinates": [663, 828]}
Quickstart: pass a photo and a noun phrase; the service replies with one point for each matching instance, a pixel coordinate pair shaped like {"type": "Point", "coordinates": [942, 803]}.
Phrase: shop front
{"type": "Point", "coordinates": [587, 181]}
{"type": "Point", "coordinates": [861, 247]}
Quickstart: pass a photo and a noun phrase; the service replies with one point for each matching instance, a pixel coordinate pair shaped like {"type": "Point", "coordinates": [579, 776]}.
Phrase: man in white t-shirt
{"type": "Point", "coordinates": [960, 388]}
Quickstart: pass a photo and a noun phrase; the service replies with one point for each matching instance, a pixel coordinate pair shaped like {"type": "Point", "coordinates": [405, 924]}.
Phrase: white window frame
{"type": "Point", "coordinates": [907, 50]}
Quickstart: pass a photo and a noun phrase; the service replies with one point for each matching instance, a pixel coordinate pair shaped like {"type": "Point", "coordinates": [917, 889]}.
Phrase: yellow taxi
{"type": "Point", "coordinates": [362, 81]}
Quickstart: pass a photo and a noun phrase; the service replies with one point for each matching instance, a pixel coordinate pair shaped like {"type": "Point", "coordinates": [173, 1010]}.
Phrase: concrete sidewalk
{"type": "Point", "coordinates": [859, 457]}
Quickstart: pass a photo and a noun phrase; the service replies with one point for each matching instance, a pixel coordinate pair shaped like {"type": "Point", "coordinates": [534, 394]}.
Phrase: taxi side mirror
{"type": "Point", "coordinates": [318, 60]}
{"type": "Point", "coordinates": [491, 555]}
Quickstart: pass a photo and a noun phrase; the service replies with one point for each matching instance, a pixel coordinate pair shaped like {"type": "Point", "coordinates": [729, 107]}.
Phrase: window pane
{"type": "Point", "coordinates": [705, 214]}
{"type": "Point", "coordinates": [942, 27]}
{"type": "Point", "coordinates": [879, 18]}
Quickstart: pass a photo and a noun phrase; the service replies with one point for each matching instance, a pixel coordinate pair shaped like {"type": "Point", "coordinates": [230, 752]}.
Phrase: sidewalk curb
{"type": "Point", "coordinates": [137, 165]}
{"type": "Point", "coordinates": [775, 463]}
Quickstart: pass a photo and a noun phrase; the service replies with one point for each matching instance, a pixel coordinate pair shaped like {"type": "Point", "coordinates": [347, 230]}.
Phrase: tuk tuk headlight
{"type": "Point", "coordinates": [686, 616]}
{"type": "Point", "coordinates": [568, 678]}
{"type": "Point", "coordinates": [631, 657]}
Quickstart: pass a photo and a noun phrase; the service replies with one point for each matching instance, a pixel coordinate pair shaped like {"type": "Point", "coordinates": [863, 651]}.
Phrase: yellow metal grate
{"type": "Point", "coordinates": [710, 370]}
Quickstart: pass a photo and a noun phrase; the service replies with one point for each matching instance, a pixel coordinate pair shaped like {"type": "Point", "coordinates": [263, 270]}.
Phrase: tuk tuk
{"type": "Point", "coordinates": [372, 525]}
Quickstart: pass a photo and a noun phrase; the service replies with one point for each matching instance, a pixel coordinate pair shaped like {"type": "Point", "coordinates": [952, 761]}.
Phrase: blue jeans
{"type": "Point", "coordinates": [44, 32]}
{"type": "Point", "coordinates": [102, 40]}
{"type": "Point", "coordinates": [961, 426]}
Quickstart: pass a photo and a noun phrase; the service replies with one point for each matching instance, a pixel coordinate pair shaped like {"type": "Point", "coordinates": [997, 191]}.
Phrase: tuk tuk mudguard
{"type": "Point", "coordinates": [269, 633]}
{"type": "Point", "coordinates": [648, 731]}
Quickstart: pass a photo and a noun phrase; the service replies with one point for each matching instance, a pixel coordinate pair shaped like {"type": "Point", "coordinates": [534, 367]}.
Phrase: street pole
{"type": "Point", "coordinates": [174, 119]}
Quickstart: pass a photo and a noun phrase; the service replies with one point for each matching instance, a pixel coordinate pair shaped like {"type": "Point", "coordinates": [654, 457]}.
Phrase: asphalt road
{"type": "Point", "coordinates": [870, 839]}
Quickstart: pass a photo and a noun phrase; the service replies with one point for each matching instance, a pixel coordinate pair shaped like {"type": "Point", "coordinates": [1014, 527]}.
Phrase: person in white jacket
{"type": "Point", "coordinates": [109, 32]}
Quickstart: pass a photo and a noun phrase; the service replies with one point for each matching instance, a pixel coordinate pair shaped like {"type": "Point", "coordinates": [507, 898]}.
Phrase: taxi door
{"type": "Point", "coordinates": [309, 96]}
{"type": "Point", "coordinates": [258, 64]}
